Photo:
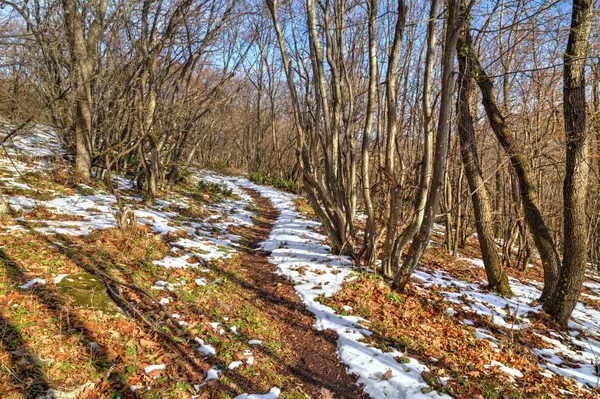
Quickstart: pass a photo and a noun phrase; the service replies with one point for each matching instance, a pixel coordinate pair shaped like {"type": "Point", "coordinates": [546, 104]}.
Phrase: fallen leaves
{"type": "Point", "coordinates": [424, 330]}
{"type": "Point", "coordinates": [387, 375]}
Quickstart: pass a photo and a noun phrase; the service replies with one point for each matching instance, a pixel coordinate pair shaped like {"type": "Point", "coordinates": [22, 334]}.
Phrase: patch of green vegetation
{"type": "Point", "coordinates": [185, 175]}
{"type": "Point", "coordinates": [213, 188]}
{"type": "Point", "coordinates": [294, 395]}
{"type": "Point", "coordinates": [393, 297]}
{"type": "Point", "coordinates": [28, 193]}
{"type": "Point", "coordinates": [280, 183]}
{"type": "Point", "coordinates": [88, 292]}
{"type": "Point", "coordinates": [402, 359]}
{"type": "Point", "coordinates": [206, 191]}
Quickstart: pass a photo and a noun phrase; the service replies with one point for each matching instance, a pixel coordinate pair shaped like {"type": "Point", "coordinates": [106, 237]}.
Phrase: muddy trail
{"type": "Point", "coordinates": [311, 364]}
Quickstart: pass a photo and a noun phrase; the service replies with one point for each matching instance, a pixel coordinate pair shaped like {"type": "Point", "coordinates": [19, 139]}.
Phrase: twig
{"type": "Point", "coordinates": [105, 276]}
{"type": "Point", "coordinates": [154, 328]}
{"type": "Point", "coordinates": [590, 277]}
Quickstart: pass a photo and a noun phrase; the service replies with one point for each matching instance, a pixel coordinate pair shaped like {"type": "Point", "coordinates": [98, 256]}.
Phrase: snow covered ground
{"type": "Point", "coordinates": [574, 354]}
{"type": "Point", "coordinates": [205, 240]}
{"type": "Point", "coordinates": [36, 141]}
{"type": "Point", "coordinates": [210, 239]}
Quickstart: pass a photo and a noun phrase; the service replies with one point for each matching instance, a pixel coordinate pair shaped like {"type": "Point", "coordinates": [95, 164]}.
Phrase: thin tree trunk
{"type": "Point", "coordinates": [153, 167]}
{"type": "Point", "coordinates": [447, 205]}
{"type": "Point", "coordinates": [83, 57]}
{"type": "Point", "coordinates": [329, 214]}
{"type": "Point", "coordinates": [427, 163]}
{"type": "Point", "coordinates": [421, 240]}
{"type": "Point", "coordinates": [520, 162]}
{"type": "Point", "coordinates": [371, 228]}
{"type": "Point", "coordinates": [459, 218]}
{"type": "Point", "coordinates": [390, 150]}
{"type": "Point", "coordinates": [497, 278]}
{"type": "Point", "coordinates": [81, 80]}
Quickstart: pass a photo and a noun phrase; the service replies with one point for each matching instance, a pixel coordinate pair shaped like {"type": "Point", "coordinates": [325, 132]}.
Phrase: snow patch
{"type": "Point", "coordinates": [154, 367]}
{"type": "Point", "coordinates": [273, 394]}
{"type": "Point", "coordinates": [32, 282]}
{"type": "Point", "coordinates": [205, 348]}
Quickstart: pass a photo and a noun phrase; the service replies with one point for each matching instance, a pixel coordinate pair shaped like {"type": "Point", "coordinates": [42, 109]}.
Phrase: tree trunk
{"type": "Point", "coordinates": [529, 196]}
{"type": "Point", "coordinates": [497, 278]}
{"type": "Point", "coordinates": [322, 199]}
{"type": "Point", "coordinates": [81, 80]}
{"type": "Point", "coordinates": [370, 241]}
{"type": "Point", "coordinates": [572, 273]}
{"type": "Point", "coordinates": [390, 151]}
{"type": "Point", "coordinates": [421, 240]}
{"type": "Point", "coordinates": [4, 207]}
{"type": "Point", "coordinates": [427, 163]}
{"type": "Point", "coordinates": [83, 127]}
{"type": "Point", "coordinates": [83, 58]}
{"type": "Point", "coordinates": [178, 153]}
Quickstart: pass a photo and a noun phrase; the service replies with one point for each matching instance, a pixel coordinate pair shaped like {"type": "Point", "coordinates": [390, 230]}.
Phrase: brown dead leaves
{"type": "Point", "coordinates": [419, 325]}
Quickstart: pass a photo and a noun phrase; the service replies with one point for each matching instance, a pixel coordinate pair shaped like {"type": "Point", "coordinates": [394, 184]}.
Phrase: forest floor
{"type": "Point", "coordinates": [241, 298]}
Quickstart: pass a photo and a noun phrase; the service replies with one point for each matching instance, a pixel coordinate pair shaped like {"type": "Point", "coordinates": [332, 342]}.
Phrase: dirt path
{"type": "Point", "coordinates": [311, 359]}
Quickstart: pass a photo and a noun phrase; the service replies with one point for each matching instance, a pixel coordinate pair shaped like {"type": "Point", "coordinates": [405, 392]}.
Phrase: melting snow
{"type": "Point", "coordinates": [32, 282]}
{"type": "Point", "coordinates": [154, 367]}
{"type": "Point", "coordinates": [59, 278]}
{"type": "Point", "coordinates": [273, 394]}
{"type": "Point", "coordinates": [37, 141]}
{"type": "Point", "coordinates": [508, 370]}
{"type": "Point", "coordinates": [212, 374]}
{"type": "Point", "coordinates": [295, 243]}
{"type": "Point", "coordinates": [234, 365]}
{"type": "Point", "coordinates": [164, 301]}
{"type": "Point", "coordinates": [205, 348]}
{"type": "Point", "coordinates": [512, 313]}
{"type": "Point", "coordinates": [296, 250]}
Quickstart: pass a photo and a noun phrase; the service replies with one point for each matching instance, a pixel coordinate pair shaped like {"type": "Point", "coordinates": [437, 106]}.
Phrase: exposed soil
{"type": "Point", "coordinates": [312, 362]}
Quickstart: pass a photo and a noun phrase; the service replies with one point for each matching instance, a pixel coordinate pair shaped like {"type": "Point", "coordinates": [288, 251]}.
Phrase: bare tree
{"type": "Point", "coordinates": [421, 239]}
{"type": "Point", "coordinates": [370, 239]}
{"type": "Point", "coordinates": [391, 93]}
{"type": "Point", "coordinates": [84, 51]}
{"type": "Point", "coordinates": [572, 272]}
{"type": "Point", "coordinates": [497, 278]}
{"type": "Point", "coordinates": [427, 161]}
{"type": "Point", "coordinates": [527, 187]}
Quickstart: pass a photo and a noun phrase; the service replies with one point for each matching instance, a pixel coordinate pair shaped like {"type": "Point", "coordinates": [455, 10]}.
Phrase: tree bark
{"type": "Point", "coordinates": [421, 240]}
{"type": "Point", "coordinates": [519, 161]}
{"type": "Point", "coordinates": [572, 273]}
{"type": "Point", "coordinates": [497, 278]}
{"type": "Point", "coordinates": [83, 58]}
{"type": "Point", "coordinates": [370, 240]}
{"type": "Point", "coordinates": [427, 162]}
{"type": "Point", "coordinates": [390, 148]}
{"type": "Point", "coordinates": [329, 186]}
{"type": "Point", "coordinates": [4, 207]}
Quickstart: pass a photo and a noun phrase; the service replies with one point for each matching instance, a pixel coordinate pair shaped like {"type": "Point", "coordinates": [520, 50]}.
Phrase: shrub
{"type": "Point", "coordinates": [280, 183]}
{"type": "Point", "coordinates": [218, 166]}
{"type": "Point", "coordinates": [213, 189]}
{"type": "Point", "coordinates": [184, 175]}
